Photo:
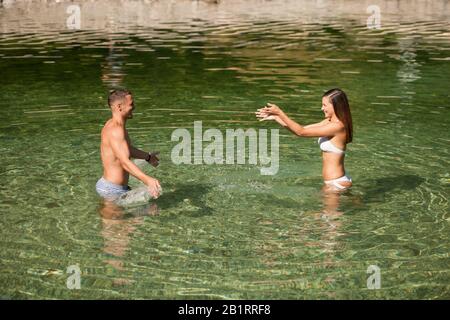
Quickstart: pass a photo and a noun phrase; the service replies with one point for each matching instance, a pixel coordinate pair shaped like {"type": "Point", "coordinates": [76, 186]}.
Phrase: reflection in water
{"type": "Point", "coordinates": [330, 224]}
{"type": "Point", "coordinates": [408, 71]}
{"type": "Point", "coordinates": [112, 74]}
{"type": "Point", "coordinates": [117, 229]}
{"type": "Point", "coordinates": [329, 217]}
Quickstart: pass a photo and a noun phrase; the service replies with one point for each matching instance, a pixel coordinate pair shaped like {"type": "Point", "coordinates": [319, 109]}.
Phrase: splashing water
{"type": "Point", "coordinates": [135, 197]}
{"type": "Point", "coordinates": [138, 196]}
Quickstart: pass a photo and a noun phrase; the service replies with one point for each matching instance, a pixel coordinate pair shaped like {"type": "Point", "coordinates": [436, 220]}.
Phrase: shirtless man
{"type": "Point", "coordinates": [116, 150]}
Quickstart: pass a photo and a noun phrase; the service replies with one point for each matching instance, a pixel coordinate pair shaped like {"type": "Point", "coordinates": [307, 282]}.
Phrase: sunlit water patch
{"type": "Point", "coordinates": [226, 231]}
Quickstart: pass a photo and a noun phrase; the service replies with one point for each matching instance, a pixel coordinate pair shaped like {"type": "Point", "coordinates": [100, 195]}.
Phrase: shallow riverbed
{"type": "Point", "coordinates": [226, 231]}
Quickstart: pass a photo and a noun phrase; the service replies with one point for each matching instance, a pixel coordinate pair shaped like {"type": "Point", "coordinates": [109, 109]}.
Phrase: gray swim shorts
{"type": "Point", "coordinates": [110, 190]}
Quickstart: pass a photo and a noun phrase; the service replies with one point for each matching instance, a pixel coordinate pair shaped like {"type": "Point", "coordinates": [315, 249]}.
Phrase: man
{"type": "Point", "coordinates": [116, 150]}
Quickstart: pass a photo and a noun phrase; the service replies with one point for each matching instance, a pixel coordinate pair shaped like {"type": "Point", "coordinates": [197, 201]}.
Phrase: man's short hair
{"type": "Point", "coordinates": [117, 95]}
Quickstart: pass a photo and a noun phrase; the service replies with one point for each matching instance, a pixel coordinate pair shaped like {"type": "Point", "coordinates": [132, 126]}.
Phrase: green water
{"type": "Point", "coordinates": [226, 231]}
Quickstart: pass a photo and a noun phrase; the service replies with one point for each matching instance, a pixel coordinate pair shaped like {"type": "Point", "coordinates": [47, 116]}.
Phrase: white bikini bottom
{"type": "Point", "coordinates": [335, 182]}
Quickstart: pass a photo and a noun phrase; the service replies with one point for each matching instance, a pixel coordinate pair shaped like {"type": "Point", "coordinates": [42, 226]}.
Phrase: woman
{"type": "Point", "coordinates": [334, 133]}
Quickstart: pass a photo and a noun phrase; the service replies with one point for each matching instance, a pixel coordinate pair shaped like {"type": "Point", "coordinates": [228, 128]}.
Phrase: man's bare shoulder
{"type": "Point", "coordinates": [110, 130]}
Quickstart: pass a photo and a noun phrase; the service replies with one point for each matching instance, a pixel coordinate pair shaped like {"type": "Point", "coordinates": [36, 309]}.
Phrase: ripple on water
{"type": "Point", "coordinates": [226, 232]}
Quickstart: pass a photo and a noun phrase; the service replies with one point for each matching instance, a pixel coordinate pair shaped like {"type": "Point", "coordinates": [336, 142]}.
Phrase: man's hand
{"type": "Point", "coordinates": [154, 188]}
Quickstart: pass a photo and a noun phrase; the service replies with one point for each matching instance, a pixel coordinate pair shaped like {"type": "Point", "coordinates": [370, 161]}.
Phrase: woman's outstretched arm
{"type": "Point", "coordinates": [310, 131]}
{"type": "Point", "coordinates": [263, 117]}
{"type": "Point", "coordinates": [321, 123]}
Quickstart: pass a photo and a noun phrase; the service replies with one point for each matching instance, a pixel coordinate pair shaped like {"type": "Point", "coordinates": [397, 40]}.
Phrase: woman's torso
{"type": "Point", "coordinates": [333, 157]}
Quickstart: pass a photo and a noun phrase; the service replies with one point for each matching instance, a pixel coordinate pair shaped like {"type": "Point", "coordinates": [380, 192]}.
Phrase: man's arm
{"type": "Point", "coordinates": [138, 154]}
{"type": "Point", "coordinates": [121, 150]}
{"type": "Point", "coordinates": [135, 152]}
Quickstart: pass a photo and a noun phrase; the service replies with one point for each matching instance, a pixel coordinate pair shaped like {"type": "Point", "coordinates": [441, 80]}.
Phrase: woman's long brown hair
{"type": "Point", "coordinates": [341, 107]}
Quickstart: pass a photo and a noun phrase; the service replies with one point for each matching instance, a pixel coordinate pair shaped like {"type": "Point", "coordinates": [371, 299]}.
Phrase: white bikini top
{"type": "Point", "coordinates": [327, 146]}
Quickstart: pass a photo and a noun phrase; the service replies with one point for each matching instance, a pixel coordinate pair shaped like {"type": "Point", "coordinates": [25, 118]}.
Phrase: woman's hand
{"type": "Point", "coordinates": [269, 112]}
{"type": "Point", "coordinates": [266, 118]}
{"type": "Point", "coordinates": [272, 109]}
{"type": "Point", "coordinates": [263, 116]}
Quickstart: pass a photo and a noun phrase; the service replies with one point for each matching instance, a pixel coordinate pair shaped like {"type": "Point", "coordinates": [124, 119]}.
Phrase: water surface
{"type": "Point", "coordinates": [225, 231]}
